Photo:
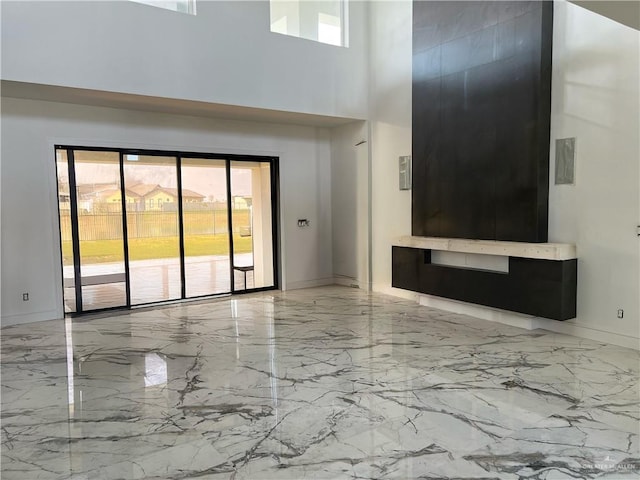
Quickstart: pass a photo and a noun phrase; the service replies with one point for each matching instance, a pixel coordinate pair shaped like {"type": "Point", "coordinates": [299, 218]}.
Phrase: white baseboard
{"type": "Point", "coordinates": [396, 292]}
{"type": "Point", "coordinates": [347, 281]}
{"type": "Point", "coordinates": [485, 313]}
{"type": "Point", "coordinates": [570, 328]}
{"type": "Point", "coordinates": [318, 282]}
{"type": "Point", "coordinates": [527, 322]}
{"type": "Point", "coordinates": [22, 318]}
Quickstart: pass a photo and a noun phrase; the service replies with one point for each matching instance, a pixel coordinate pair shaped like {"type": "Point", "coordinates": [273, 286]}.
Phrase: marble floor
{"type": "Point", "coordinates": [322, 383]}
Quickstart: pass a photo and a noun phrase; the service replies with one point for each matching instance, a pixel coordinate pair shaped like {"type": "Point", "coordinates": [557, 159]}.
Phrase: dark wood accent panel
{"type": "Point", "coordinates": [405, 270]}
{"type": "Point", "coordinates": [481, 118]}
{"type": "Point", "coordinates": [545, 288]}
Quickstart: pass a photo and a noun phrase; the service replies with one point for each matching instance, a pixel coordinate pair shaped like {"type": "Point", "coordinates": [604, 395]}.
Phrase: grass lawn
{"type": "Point", "coordinates": [103, 251]}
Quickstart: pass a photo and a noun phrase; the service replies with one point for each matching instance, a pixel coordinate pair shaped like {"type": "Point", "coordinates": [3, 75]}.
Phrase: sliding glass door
{"type": "Point", "coordinates": [252, 225]}
{"type": "Point", "coordinates": [66, 232]}
{"type": "Point", "coordinates": [153, 228]}
{"type": "Point", "coordinates": [205, 215]}
{"type": "Point", "coordinates": [91, 230]}
{"type": "Point", "coordinates": [140, 227]}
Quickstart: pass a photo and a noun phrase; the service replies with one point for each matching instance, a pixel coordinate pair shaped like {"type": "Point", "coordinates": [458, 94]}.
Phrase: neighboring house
{"type": "Point", "coordinates": [142, 189]}
{"type": "Point", "coordinates": [89, 195]}
{"type": "Point", "coordinates": [96, 198]}
{"type": "Point", "coordinates": [140, 197]}
{"type": "Point", "coordinates": [156, 196]}
{"type": "Point", "coordinates": [113, 197]}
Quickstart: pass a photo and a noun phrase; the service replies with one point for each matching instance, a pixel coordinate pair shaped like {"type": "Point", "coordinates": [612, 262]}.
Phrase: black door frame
{"type": "Point", "coordinates": [228, 158]}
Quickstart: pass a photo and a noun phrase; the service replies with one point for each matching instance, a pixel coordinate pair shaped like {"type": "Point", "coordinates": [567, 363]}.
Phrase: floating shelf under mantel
{"type": "Point", "coordinates": [541, 278]}
{"type": "Point", "coordinates": [541, 251]}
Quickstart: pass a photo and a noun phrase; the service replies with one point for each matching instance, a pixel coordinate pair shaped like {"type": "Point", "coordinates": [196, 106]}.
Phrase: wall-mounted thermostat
{"type": "Point", "coordinates": [405, 172]}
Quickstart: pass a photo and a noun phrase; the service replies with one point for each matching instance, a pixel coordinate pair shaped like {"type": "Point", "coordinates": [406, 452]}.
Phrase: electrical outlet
{"type": "Point", "coordinates": [25, 297]}
{"type": "Point", "coordinates": [620, 313]}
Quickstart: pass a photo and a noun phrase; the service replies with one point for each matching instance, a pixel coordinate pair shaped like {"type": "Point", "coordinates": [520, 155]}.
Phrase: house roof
{"type": "Point", "coordinates": [113, 191]}
{"type": "Point", "coordinates": [139, 190]}
{"type": "Point", "coordinates": [145, 189]}
{"type": "Point", "coordinates": [185, 192]}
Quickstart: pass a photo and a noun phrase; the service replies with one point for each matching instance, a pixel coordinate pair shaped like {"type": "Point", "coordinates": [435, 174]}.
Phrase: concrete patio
{"type": "Point", "coordinates": [156, 280]}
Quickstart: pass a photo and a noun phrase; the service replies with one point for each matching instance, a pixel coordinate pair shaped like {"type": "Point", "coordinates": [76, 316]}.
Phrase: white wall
{"type": "Point", "coordinates": [350, 203]}
{"type": "Point", "coordinates": [30, 238]}
{"type": "Point", "coordinates": [225, 54]}
{"type": "Point", "coordinates": [595, 98]}
{"type": "Point", "coordinates": [366, 224]}
{"type": "Point", "coordinates": [390, 67]}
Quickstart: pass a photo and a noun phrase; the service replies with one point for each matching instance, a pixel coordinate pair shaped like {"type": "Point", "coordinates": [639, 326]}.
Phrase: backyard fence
{"type": "Point", "coordinates": [108, 225]}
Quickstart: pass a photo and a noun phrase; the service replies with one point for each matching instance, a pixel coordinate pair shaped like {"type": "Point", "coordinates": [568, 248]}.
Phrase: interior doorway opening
{"type": "Point", "coordinates": [139, 227]}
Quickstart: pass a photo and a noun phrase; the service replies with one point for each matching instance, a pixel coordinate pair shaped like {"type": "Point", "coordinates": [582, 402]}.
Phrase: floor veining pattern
{"type": "Point", "coordinates": [323, 383]}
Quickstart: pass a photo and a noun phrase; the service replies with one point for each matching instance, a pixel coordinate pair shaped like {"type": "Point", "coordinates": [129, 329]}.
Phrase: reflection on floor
{"type": "Point", "coordinates": [327, 383]}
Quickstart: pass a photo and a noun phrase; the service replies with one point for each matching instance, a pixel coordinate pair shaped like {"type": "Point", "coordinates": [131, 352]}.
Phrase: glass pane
{"type": "Point", "coordinates": [206, 232]}
{"type": "Point", "coordinates": [66, 241]}
{"type": "Point", "coordinates": [322, 21]}
{"type": "Point", "coordinates": [100, 229]}
{"type": "Point", "coordinates": [183, 6]}
{"type": "Point", "coordinates": [151, 189]}
{"type": "Point", "coordinates": [252, 225]}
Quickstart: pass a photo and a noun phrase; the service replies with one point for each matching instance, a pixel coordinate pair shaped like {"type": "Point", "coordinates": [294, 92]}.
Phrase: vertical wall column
{"type": "Point", "coordinates": [481, 113]}
{"type": "Point", "coordinates": [261, 227]}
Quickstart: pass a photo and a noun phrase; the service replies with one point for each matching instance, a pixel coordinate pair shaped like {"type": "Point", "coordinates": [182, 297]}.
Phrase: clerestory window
{"type": "Point", "coordinates": [182, 6]}
{"type": "Point", "coordinates": [323, 21]}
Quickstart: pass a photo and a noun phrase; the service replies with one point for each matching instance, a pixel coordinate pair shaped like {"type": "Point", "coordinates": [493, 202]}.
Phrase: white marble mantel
{"type": "Point", "coordinates": [544, 251]}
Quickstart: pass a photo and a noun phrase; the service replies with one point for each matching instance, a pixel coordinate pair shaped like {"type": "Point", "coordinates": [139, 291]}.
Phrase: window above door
{"type": "Point", "coordinates": [321, 21]}
{"type": "Point", "coordinates": [182, 6]}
